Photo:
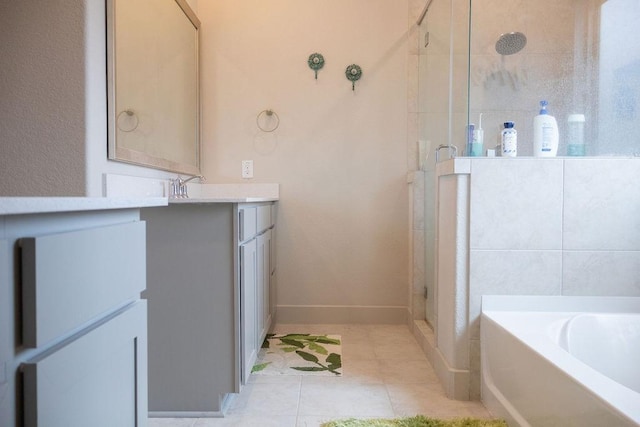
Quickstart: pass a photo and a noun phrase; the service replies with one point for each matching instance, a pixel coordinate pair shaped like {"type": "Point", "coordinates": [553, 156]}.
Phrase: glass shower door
{"type": "Point", "coordinates": [443, 110]}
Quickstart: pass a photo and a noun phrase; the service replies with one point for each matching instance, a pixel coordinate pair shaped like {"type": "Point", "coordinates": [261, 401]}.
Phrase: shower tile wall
{"type": "Point", "coordinates": [554, 227]}
{"type": "Point", "coordinates": [418, 266]}
{"type": "Point", "coordinates": [416, 177]}
{"type": "Point", "coordinates": [509, 88]}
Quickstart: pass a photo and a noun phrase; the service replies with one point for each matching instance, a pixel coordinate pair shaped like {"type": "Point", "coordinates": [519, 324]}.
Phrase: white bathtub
{"type": "Point", "coordinates": [561, 361]}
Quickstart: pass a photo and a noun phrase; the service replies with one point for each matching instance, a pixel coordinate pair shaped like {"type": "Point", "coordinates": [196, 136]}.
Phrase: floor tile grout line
{"type": "Point", "coordinates": [298, 402]}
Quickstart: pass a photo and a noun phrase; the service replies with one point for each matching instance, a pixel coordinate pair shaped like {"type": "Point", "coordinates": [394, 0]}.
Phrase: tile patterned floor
{"type": "Point", "coordinates": [385, 375]}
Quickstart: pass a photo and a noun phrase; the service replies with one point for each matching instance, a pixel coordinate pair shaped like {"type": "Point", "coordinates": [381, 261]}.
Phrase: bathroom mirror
{"type": "Point", "coordinates": [153, 93]}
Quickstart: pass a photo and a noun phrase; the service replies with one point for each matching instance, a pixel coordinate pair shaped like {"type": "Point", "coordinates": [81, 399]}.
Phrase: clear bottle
{"type": "Point", "coordinates": [575, 135]}
{"type": "Point", "coordinates": [509, 140]}
{"type": "Point", "coordinates": [477, 140]}
{"type": "Point", "coordinates": [471, 128]}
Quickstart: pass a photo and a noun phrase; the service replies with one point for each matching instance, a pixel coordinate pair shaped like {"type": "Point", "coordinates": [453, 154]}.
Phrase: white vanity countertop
{"type": "Point", "coordinates": [230, 193]}
{"type": "Point", "coordinates": [245, 192]}
{"type": "Point", "coordinates": [33, 205]}
{"type": "Point", "coordinates": [204, 200]}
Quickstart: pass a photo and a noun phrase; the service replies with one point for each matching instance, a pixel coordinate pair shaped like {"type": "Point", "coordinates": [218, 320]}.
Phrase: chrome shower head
{"type": "Point", "coordinates": [510, 43]}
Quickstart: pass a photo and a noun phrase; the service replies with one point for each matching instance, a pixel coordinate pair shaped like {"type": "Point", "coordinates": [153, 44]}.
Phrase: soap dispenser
{"type": "Point", "coordinates": [545, 133]}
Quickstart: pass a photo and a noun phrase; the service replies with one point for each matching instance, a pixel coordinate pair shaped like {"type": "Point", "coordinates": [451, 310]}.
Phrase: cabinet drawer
{"type": "Point", "coordinates": [264, 218]}
{"type": "Point", "coordinates": [247, 223]}
{"type": "Point", "coordinates": [99, 379]}
{"type": "Point", "coordinates": [71, 278]}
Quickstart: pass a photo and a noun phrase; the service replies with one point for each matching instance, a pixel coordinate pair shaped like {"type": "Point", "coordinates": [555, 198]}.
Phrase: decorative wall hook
{"type": "Point", "coordinates": [316, 62]}
{"type": "Point", "coordinates": [353, 73]}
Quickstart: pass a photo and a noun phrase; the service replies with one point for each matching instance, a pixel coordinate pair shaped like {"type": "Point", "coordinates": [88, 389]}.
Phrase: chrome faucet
{"type": "Point", "coordinates": [179, 186]}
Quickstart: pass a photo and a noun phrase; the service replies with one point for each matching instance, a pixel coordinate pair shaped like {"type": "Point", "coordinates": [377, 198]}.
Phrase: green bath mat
{"type": "Point", "coordinates": [417, 421]}
{"type": "Point", "coordinates": [300, 354]}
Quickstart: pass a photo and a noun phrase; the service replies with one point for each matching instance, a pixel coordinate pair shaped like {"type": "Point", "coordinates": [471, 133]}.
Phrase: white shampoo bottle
{"type": "Point", "coordinates": [545, 133]}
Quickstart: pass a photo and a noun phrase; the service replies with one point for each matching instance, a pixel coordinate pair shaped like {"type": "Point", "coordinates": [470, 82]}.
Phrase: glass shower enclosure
{"type": "Point", "coordinates": [581, 56]}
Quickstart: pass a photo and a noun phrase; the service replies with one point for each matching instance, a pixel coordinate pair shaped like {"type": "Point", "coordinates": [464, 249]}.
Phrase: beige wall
{"type": "Point", "coordinates": [339, 155]}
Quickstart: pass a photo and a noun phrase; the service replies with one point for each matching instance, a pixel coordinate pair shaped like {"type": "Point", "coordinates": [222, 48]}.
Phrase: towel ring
{"type": "Point", "coordinates": [268, 113]}
{"type": "Point", "coordinates": [131, 120]}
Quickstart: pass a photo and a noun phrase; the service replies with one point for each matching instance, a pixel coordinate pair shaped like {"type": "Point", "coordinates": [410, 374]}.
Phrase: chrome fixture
{"type": "Point", "coordinates": [179, 187]}
{"type": "Point", "coordinates": [510, 43]}
{"type": "Point", "coordinates": [453, 151]}
{"type": "Point", "coordinates": [269, 117]}
{"type": "Point", "coordinates": [424, 12]}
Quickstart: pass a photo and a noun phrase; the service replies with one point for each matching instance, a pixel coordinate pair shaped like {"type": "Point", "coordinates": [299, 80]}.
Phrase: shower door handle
{"type": "Point", "coordinates": [453, 151]}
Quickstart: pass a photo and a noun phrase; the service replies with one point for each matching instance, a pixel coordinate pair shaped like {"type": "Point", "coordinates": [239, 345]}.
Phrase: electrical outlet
{"type": "Point", "coordinates": [247, 168]}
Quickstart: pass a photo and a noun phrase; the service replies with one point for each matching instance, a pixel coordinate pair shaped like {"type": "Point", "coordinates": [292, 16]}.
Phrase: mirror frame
{"type": "Point", "coordinates": [127, 155]}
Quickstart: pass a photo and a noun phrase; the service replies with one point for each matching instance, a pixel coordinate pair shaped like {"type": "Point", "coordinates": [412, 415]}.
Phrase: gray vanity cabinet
{"type": "Point", "coordinates": [192, 308]}
{"type": "Point", "coordinates": [249, 306]}
{"type": "Point", "coordinates": [264, 314]}
{"type": "Point", "coordinates": [256, 226]}
{"type": "Point", "coordinates": [206, 293]}
{"type": "Point", "coordinates": [97, 379]}
{"type": "Point", "coordinates": [73, 338]}
{"type": "Point", "coordinates": [209, 268]}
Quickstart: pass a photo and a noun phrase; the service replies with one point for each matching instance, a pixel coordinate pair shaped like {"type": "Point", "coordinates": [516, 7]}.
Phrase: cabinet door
{"type": "Point", "coordinates": [273, 277]}
{"type": "Point", "coordinates": [248, 307]}
{"type": "Point", "coordinates": [71, 278]}
{"type": "Point", "coordinates": [98, 379]}
{"type": "Point", "coordinates": [264, 279]}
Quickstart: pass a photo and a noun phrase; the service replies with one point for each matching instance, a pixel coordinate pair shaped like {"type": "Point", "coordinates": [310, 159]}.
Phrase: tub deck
{"type": "Point", "coordinates": [529, 379]}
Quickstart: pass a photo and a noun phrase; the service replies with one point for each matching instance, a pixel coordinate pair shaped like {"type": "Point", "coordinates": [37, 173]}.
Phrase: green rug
{"type": "Point", "coordinates": [417, 421]}
{"type": "Point", "coordinates": [299, 354]}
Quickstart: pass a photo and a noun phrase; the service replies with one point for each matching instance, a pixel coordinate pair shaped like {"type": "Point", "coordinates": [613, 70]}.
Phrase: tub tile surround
{"type": "Point", "coordinates": [601, 209]}
{"type": "Point", "coordinates": [511, 272]}
{"type": "Point", "coordinates": [610, 273]}
{"type": "Point", "coordinates": [516, 205]}
{"type": "Point", "coordinates": [601, 227]}
{"type": "Point", "coordinates": [561, 226]}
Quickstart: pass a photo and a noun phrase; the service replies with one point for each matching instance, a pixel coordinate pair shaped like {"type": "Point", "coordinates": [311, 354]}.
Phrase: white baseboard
{"type": "Point", "coordinates": [225, 403]}
{"type": "Point", "coordinates": [185, 414]}
{"type": "Point", "coordinates": [342, 314]}
{"type": "Point", "coordinates": [423, 333]}
{"type": "Point", "coordinates": [456, 382]}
